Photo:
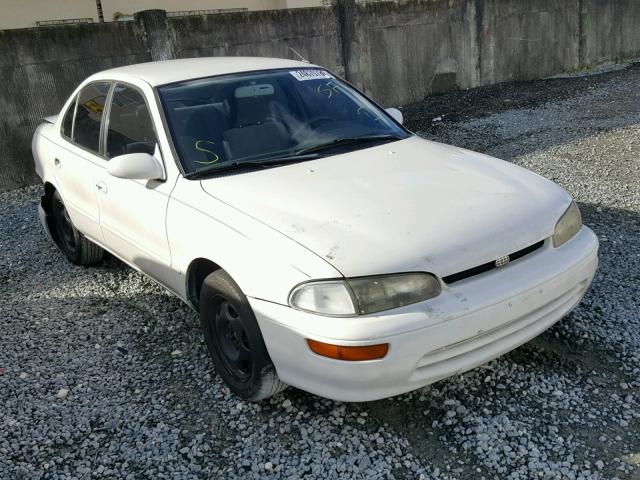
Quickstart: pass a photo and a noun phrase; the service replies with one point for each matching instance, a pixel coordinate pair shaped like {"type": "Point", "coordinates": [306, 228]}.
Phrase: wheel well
{"type": "Point", "coordinates": [198, 270]}
{"type": "Point", "coordinates": [47, 203]}
{"type": "Point", "coordinates": [49, 190]}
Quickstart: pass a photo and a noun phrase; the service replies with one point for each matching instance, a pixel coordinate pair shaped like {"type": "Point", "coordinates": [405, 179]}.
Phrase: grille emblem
{"type": "Point", "coordinates": [502, 261]}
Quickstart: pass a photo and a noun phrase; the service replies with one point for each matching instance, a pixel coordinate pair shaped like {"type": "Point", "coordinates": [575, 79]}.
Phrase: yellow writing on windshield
{"type": "Point", "coordinates": [200, 148]}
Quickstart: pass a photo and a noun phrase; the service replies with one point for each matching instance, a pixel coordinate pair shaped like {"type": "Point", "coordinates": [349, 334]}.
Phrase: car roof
{"type": "Point", "coordinates": [170, 71]}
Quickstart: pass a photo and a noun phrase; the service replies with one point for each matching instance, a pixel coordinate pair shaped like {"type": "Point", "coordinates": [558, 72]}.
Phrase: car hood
{"type": "Point", "coordinates": [410, 205]}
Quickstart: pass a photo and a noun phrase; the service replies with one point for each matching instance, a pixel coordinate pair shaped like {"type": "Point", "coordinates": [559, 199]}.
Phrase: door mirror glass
{"type": "Point", "coordinates": [395, 114]}
{"type": "Point", "coordinates": [136, 166]}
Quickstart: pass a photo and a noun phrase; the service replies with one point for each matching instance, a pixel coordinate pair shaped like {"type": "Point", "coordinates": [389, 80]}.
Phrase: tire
{"type": "Point", "coordinates": [234, 339]}
{"type": "Point", "coordinates": [78, 249]}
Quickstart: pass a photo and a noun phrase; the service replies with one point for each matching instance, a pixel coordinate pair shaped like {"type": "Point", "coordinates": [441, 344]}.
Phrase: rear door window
{"type": "Point", "coordinates": [130, 128]}
{"type": "Point", "coordinates": [88, 118]}
{"type": "Point", "coordinates": [67, 120]}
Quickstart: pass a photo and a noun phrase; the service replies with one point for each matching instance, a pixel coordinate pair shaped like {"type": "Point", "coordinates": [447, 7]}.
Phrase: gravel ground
{"type": "Point", "coordinates": [105, 375]}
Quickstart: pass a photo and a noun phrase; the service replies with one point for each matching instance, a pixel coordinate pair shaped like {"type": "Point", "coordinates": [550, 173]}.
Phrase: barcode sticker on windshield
{"type": "Point", "coordinates": [302, 75]}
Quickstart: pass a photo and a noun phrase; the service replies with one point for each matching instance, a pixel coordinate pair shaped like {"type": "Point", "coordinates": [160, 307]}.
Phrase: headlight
{"type": "Point", "coordinates": [326, 298]}
{"type": "Point", "coordinates": [362, 295]}
{"type": "Point", "coordinates": [569, 224]}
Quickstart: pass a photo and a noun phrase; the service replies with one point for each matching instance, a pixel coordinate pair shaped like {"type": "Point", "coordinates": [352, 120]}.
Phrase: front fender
{"type": "Point", "coordinates": [264, 263]}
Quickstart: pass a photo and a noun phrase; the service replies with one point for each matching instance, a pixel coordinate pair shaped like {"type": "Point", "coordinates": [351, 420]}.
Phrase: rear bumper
{"type": "Point", "coordinates": [470, 323]}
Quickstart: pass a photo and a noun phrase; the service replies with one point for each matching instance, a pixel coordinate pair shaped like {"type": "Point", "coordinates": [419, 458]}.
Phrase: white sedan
{"type": "Point", "coordinates": [324, 245]}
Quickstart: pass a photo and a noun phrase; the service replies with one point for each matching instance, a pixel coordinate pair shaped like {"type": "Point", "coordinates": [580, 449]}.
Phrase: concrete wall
{"type": "Point", "coordinates": [399, 52]}
{"type": "Point", "coordinates": [610, 30]}
{"type": "Point", "coordinates": [40, 68]}
{"type": "Point", "coordinates": [526, 40]}
{"type": "Point", "coordinates": [312, 32]}
{"type": "Point", "coordinates": [402, 52]}
{"type": "Point", "coordinates": [428, 46]}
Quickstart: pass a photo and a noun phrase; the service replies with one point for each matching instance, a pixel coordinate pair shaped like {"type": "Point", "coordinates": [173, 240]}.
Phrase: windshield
{"type": "Point", "coordinates": [254, 118]}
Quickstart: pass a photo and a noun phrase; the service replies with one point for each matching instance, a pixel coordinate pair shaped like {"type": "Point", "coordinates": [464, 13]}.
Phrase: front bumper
{"type": "Point", "coordinates": [470, 323]}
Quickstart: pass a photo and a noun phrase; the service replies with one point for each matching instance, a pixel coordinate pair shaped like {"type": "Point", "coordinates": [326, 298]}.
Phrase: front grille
{"type": "Point", "coordinates": [485, 267]}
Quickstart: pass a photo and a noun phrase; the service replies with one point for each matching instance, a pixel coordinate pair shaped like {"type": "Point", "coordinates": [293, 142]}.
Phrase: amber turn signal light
{"type": "Point", "coordinates": [353, 354]}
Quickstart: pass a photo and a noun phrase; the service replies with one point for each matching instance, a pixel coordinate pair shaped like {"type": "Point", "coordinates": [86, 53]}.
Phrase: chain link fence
{"type": "Point", "coordinates": [64, 21]}
{"type": "Point", "coordinates": [329, 3]}
{"type": "Point", "coordinates": [190, 13]}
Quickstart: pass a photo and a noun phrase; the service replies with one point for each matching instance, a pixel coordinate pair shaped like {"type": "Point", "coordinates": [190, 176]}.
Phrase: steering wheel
{"type": "Point", "coordinates": [317, 121]}
{"type": "Point", "coordinates": [313, 123]}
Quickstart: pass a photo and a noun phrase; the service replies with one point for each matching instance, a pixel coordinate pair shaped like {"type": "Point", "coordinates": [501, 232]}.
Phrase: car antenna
{"type": "Point", "coordinates": [299, 56]}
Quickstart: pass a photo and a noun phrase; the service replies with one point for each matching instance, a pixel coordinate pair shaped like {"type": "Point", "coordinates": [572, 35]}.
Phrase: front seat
{"type": "Point", "coordinates": [255, 139]}
{"type": "Point", "coordinates": [200, 142]}
{"type": "Point", "coordinates": [254, 133]}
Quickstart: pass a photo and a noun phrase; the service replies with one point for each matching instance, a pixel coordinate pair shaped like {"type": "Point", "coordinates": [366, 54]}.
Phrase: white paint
{"type": "Point", "coordinates": [396, 114]}
{"type": "Point", "coordinates": [430, 207]}
{"type": "Point", "coordinates": [136, 166]}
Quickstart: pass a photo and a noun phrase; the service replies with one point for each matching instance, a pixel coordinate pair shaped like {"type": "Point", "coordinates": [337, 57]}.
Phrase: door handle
{"type": "Point", "coordinates": [102, 188]}
{"type": "Point", "coordinates": [56, 162]}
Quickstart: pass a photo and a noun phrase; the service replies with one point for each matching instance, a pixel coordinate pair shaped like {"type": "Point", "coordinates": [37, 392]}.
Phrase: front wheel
{"type": "Point", "coordinates": [234, 339]}
{"type": "Point", "coordinates": [78, 248]}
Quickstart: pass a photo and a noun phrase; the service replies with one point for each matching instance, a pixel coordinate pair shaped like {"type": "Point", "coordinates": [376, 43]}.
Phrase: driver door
{"type": "Point", "coordinates": [133, 212]}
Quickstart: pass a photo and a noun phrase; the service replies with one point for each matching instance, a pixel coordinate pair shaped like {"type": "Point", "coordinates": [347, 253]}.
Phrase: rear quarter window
{"type": "Point", "coordinates": [67, 120]}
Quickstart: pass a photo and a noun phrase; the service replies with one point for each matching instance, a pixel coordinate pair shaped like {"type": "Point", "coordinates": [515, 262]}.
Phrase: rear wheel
{"type": "Point", "coordinates": [234, 339]}
{"type": "Point", "coordinates": [77, 248]}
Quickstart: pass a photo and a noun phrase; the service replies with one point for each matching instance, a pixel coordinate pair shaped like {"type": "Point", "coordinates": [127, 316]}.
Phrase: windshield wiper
{"type": "Point", "coordinates": [253, 164]}
{"type": "Point", "coordinates": [347, 141]}
{"type": "Point", "coordinates": [302, 155]}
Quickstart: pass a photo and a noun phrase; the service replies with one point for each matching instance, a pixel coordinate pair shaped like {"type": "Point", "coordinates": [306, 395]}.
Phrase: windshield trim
{"type": "Point", "coordinates": [249, 165]}
{"type": "Point", "coordinates": [169, 136]}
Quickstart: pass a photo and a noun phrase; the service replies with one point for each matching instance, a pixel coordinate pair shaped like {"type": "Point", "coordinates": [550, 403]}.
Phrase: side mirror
{"type": "Point", "coordinates": [136, 166]}
{"type": "Point", "coordinates": [395, 114]}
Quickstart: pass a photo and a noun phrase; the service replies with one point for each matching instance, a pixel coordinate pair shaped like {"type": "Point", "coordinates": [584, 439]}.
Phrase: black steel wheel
{"type": "Point", "coordinates": [234, 339]}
